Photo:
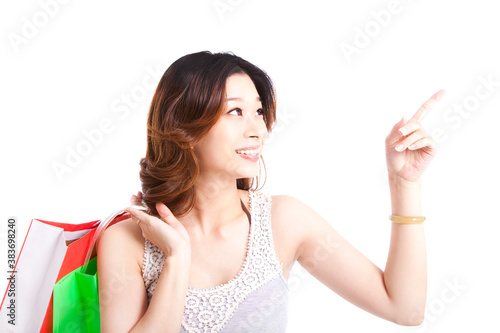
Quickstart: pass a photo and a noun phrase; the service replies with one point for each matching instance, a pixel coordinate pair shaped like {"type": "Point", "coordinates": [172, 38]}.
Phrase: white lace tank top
{"type": "Point", "coordinates": [253, 301]}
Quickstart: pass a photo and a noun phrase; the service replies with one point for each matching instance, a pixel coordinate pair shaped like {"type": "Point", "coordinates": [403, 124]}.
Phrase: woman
{"type": "Point", "coordinates": [206, 256]}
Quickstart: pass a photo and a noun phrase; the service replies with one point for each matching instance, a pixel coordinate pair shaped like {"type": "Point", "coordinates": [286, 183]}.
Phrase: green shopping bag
{"type": "Point", "coordinates": [76, 301]}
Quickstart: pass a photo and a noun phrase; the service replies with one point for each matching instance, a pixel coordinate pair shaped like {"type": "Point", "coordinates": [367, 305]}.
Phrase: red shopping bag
{"type": "Point", "coordinates": [50, 251]}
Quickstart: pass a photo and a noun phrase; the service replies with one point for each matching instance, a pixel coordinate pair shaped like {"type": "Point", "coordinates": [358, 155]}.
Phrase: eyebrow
{"type": "Point", "coordinates": [240, 99]}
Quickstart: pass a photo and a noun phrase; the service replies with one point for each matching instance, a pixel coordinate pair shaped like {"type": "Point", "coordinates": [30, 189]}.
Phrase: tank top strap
{"type": "Point", "coordinates": [262, 234]}
{"type": "Point", "coordinates": [152, 265]}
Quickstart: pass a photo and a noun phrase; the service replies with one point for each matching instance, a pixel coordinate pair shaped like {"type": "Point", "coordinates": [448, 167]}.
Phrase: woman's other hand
{"type": "Point", "coordinates": [409, 150]}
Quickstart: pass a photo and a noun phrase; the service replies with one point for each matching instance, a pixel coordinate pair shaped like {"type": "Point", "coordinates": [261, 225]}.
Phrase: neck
{"type": "Point", "coordinates": [217, 204]}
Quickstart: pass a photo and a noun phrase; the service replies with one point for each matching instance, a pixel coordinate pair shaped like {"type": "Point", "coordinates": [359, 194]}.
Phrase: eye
{"type": "Point", "coordinates": [235, 111]}
{"type": "Point", "coordinates": [260, 112]}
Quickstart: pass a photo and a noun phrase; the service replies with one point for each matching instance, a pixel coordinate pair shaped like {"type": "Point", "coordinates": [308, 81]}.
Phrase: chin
{"type": "Point", "coordinates": [248, 173]}
{"type": "Point", "coordinates": [243, 169]}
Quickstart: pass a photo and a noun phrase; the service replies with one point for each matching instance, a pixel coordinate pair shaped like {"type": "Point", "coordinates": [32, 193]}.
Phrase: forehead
{"type": "Point", "coordinates": [240, 86]}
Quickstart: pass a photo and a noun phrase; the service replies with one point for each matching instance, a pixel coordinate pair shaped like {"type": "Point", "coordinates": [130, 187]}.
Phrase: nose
{"type": "Point", "coordinates": [255, 127]}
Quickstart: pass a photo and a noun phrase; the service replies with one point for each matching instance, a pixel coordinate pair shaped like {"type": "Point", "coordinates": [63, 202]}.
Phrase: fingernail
{"type": "Point", "coordinates": [413, 146]}
{"type": "Point", "coordinates": [441, 94]}
{"type": "Point", "coordinates": [400, 147]}
{"type": "Point", "coordinates": [403, 130]}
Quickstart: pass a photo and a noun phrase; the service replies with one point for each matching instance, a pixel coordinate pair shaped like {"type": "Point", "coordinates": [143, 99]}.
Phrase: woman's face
{"type": "Point", "coordinates": [233, 145]}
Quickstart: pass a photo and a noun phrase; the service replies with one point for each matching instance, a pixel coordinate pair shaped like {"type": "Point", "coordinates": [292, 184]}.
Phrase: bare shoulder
{"type": "Point", "coordinates": [124, 239]}
{"type": "Point", "coordinates": [290, 211]}
{"type": "Point", "coordinates": [297, 221]}
{"type": "Point", "coordinates": [120, 252]}
{"type": "Point", "coordinates": [288, 217]}
{"type": "Point", "coordinates": [287, 205]}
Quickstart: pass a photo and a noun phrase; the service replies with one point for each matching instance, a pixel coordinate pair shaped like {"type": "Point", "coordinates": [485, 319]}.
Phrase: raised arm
{"type": "Point", "coordinates": [399, 293]}
{"type": "Point", "coordinates": [122, 295]}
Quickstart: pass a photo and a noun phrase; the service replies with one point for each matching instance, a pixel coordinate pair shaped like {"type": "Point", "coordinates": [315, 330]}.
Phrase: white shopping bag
{"type": "Point", "coordinates": [35, 273]}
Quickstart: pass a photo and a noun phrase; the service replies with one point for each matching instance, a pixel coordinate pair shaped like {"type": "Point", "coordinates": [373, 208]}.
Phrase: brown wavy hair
{"type": "Point", "coordinates": [188, 101]}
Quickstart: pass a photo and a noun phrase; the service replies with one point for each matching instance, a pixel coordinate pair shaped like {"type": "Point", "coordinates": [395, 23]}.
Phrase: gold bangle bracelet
{"type": "Point", "coordinates": [407, 219]}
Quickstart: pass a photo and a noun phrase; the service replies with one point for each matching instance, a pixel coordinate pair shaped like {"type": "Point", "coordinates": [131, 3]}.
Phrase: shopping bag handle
{"type": "Point", "coordinates": [102, 226]}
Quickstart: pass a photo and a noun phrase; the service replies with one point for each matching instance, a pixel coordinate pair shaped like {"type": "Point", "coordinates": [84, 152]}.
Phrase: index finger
{"type": "Point", "coordinates": [138, 213]}
{"type": "Point", "coordinates": [427, 106]}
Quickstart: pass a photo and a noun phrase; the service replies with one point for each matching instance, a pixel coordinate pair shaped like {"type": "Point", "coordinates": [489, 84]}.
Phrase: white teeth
{"type": "Point", "coordinates": [248, 152]}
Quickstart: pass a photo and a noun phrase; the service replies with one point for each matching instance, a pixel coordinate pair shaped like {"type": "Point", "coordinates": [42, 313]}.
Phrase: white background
{"type": "Point", "coordinates": [74, 69]}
